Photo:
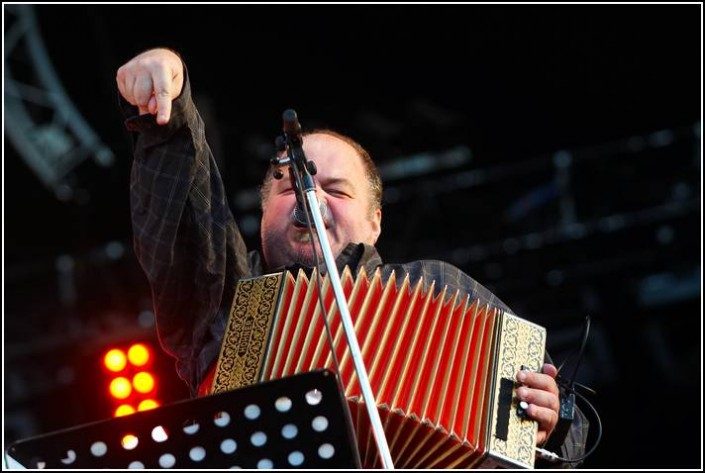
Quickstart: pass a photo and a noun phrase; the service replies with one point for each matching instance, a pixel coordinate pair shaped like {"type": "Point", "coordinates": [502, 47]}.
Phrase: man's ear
{"type": "Point", "coordinates": [376, 225]}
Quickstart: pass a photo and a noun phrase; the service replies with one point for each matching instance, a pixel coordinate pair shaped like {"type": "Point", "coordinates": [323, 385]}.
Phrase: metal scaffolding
{"type": "Point", "coordinates": [40, 119]}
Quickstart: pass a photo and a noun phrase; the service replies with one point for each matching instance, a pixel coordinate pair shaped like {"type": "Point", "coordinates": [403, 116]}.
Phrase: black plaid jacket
{"type": "Point", "coordinates": [192, 252]}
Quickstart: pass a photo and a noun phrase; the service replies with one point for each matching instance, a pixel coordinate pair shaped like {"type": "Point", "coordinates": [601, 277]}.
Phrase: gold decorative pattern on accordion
{"type": "Point", "coordinates": [441, 366]}
{"type": "Point", "coordinates": [246, 333]}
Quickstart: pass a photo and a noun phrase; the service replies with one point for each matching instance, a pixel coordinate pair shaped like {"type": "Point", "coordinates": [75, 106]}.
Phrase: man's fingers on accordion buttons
{"type": "Point", "coordinates": [546, 399]}
{"type": "Point", "coordinates": [547, 418]}
{"type": "Point", "coordinates": [539, 398]}
{"type": "Point", "coordinates": [550, 370]}
{"type": "Point", "coordinates": [543, 382]}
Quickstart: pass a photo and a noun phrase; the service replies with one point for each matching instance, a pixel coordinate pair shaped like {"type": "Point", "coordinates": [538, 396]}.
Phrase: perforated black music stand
{"type": "Point", "coordinates": [295, 422]}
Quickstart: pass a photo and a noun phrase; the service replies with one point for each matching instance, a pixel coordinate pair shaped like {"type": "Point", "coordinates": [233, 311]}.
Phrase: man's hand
{"type": "Point", "coordinates": [540, 390]}
{"type": "Point", "coordinates": [151, 80]}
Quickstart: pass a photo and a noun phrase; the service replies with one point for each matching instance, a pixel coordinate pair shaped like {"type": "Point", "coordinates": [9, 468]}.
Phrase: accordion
{"type": "Point", "coordinates": [441, 365]}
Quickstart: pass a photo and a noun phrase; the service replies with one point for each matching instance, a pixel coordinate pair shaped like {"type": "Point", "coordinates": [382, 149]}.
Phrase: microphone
{"type": "Point", "coordinates": [299, 213]}
{"type": "Point", "coordinates": [292, 127]}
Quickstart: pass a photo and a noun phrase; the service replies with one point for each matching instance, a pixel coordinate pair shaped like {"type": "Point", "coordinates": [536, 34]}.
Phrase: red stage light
{"type": "Point", "coordinates": [120, 388]}
{"type": "Point", "coordinates": [124, 410]}
{"type": "Point", "coordinates": [138, 354]}
{"type": "Point", "coordinates": [143, 382]}
{"type": "Point", "coordinates": [147, 404]}
{"type": "Point", "coordinates": [115, 360]}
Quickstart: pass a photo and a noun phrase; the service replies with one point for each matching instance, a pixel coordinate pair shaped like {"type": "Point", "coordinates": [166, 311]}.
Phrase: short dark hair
{"type": "Point", "coordinates": [373, 178]}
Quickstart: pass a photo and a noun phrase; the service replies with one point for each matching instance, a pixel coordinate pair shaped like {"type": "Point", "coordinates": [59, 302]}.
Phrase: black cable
{"type": "Point", "coordinates": [553, 457]}
{"type": "Point", "coordinates": [581, 351]}
{"type": "Point", "coordinates": [566, 413]}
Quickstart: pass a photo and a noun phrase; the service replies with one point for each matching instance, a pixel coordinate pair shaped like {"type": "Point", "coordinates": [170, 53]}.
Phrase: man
{"type": "Point", "coordinates": [192, 252]}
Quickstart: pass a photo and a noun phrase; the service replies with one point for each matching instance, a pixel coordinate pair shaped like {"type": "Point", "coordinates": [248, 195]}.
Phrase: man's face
{"type": "Point", "coordinates": [342, 184]}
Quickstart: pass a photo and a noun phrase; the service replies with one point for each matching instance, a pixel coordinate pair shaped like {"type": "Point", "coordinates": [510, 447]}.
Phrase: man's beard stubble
{"type": "Point", "coordinates": [301, 254]}
{"type": "Point", "coordinates": [305, 257]}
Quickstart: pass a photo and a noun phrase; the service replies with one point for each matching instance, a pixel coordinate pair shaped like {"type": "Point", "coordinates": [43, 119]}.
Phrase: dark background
{"type": "Point", "coordinates": [580, 193]}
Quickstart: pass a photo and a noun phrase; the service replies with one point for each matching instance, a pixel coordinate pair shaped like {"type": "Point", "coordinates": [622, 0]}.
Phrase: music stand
{"type": "Point", "coordinates": [296, 422]}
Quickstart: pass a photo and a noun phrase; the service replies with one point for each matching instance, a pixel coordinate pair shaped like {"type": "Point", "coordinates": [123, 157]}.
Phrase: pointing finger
{"type": "Point", "coordinates": [162, 92]}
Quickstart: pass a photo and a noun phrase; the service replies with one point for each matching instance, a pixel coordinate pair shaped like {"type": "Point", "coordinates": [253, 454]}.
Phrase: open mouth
{"type": "Point", "coordinates": [302, 236]}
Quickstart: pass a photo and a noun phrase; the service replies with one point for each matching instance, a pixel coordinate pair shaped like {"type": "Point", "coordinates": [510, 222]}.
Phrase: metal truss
{"type": "Point", "coordinates": [41, 121]}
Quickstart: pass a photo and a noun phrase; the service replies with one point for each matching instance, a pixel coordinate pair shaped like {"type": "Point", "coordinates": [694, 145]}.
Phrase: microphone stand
{"type": "Point", "coordinates": [303, 170]}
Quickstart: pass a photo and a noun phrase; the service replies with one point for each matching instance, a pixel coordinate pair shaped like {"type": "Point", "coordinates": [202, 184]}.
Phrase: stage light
{"type": "Point", "coordinates": [120, 388]}
{"type": "Point", "coordinates": [147, 404]}
{"type": "Point", "coordinates": [129, 442]}
{"type": "Point", "coordinates": [124, 410]}
{"type": "Point", "coordinates": [143, 382]}
{"type": "Point", "coordinates": [138, 354]}
{"type": "Point", "coordinates": [115, 360]}
{"type": "Point", "coordinates": [132, 378]}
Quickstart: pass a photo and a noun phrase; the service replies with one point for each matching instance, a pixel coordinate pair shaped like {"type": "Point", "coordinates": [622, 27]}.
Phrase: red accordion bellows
{"type": "Point", "coordinates": [441, 367]}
